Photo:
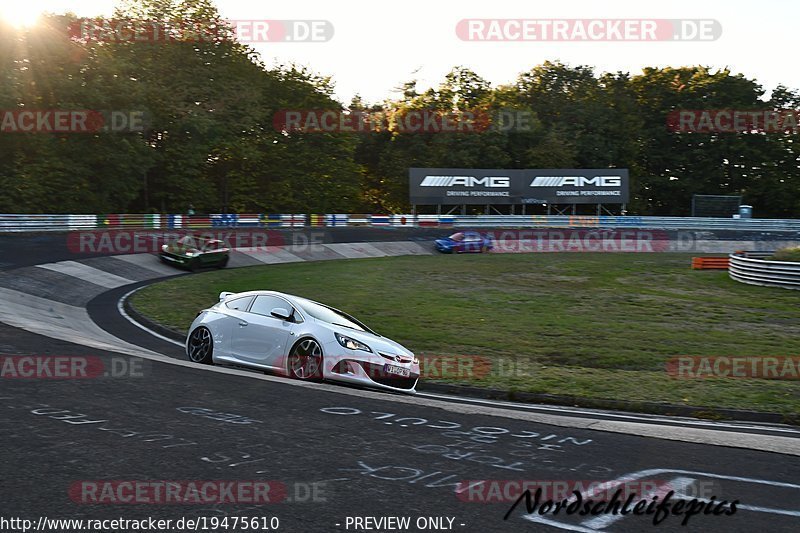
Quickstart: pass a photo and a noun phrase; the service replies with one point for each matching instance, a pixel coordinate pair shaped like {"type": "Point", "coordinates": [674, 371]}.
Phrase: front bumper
{"type": "Point", "coordinates": [173, 259]}
{"type": "Point", "coordinates": [356, 373]}
{"type": "Point", "coordinates": [369, 370]}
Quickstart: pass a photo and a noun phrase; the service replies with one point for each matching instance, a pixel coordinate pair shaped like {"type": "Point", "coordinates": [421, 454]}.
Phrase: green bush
{"type": "Point", "coordinates": [791, 253]}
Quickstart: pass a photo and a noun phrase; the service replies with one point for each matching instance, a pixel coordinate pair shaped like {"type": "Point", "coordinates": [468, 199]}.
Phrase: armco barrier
{"type": "Point", "coordinates": [15, 223]}
{"type": "Point", "coordinates": [581, 221]}
{"type": "Point", "coordinates": [29, 223]}
{"type": "Point", "coordinates": [752, 268]}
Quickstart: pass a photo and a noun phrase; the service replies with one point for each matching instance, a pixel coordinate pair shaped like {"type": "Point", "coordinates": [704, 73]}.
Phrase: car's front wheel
{"type": "Point", "coordinates": [305, 360]}
{"type": "Point", "coordinates": [201, 346]}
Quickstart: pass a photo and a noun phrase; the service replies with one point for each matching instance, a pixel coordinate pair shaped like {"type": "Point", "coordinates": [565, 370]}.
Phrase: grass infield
{"type": "Point", "coordinates": [591, 325]}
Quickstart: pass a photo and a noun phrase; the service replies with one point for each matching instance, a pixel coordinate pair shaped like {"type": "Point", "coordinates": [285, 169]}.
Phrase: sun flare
{"type": "Point", "coordinates": [20, 14]}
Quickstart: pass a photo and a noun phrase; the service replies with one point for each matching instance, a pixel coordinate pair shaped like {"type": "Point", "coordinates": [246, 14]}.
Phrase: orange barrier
{"type": "Point", "coordinates": [710, 263]}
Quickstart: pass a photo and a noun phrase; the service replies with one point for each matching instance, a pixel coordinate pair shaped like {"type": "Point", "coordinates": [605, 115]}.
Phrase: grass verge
{"type": "Point", "coordinates": [791, 254]}
{"type": "Point", "coordinates": [587, 325]}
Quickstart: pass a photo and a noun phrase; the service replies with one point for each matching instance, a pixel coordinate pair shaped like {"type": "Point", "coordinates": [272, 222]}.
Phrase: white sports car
{"type": "Point", "coordinates": [299, 338]}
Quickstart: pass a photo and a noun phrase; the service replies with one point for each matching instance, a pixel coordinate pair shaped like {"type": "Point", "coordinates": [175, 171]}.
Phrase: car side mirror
{"type": "Point", "coordinates": [280, 312]}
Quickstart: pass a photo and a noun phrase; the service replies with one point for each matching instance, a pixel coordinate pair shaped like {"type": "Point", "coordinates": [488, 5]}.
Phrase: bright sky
{"type": "Point", "coordinates": [378, 45]}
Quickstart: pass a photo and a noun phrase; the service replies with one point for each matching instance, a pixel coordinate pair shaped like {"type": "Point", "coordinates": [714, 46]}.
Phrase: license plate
{"type": "Point", "coordinates": [397, 371]}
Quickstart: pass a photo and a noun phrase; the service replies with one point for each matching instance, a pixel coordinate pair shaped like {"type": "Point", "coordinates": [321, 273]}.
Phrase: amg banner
{"type": "Point", "coordinates": [429, 186]}
{"type": "Point", "coordinates": [432, 186]}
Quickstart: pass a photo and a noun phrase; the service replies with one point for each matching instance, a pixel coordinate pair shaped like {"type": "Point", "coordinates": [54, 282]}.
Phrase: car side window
{"type": "Point", "coordinates": [264, 304]}
{"type": "Point", "coordinates": [239, 304]}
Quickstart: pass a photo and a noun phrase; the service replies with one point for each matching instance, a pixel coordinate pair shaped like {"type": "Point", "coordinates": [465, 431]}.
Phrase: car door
{"type": "Point", "coordinates": [232, 314]}
{"type": "Point", "coordinates": [212, 253]}
{"type": "Point", "coordinates": [456, 242]}
{"type": "Point", "coordinates": [472, 242]}
{"type": "Point", "coordinates": [260, 337]}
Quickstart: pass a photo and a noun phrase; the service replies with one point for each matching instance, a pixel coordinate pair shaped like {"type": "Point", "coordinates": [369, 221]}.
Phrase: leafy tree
{"type": "Point", "coordinates": [211, 140]}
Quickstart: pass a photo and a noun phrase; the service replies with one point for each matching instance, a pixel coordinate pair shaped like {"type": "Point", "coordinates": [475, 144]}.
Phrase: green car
{"type": "Point", "coordinates": [195, 253]}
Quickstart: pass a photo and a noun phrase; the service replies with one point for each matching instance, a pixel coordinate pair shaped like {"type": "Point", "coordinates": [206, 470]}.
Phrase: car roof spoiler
{"type": "Point", "coordinates": [224, 295]}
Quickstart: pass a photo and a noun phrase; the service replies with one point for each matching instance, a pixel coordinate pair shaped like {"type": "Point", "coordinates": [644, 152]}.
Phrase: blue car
{"type": "Point", "coordinates": [465, 242]}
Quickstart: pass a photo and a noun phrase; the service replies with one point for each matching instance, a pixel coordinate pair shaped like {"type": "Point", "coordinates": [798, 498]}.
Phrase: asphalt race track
{"type": "Point", "coordinates": [329, 455]}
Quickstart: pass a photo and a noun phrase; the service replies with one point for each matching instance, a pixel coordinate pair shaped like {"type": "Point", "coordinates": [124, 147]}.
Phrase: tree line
{"type": "Point", "coordinates": [212, 141]}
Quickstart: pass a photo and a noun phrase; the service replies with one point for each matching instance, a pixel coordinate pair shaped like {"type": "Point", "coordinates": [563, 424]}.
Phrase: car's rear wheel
{"type": "Point", "coordinates": [194, 265]}
{"type": "Point", "coordinates": [223, 263]}
{"type": "Point", "coordinates": [201, 346]}
{"type": "Point", "coordinates": [305, 360]}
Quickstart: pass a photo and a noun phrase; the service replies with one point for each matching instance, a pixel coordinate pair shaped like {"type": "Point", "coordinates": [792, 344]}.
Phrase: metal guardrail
{"type": "Point", "coordinates": [20, 223]}
{"type": "Point", "coordinates": [692, 223]}
{"type": "Point", "coordinates": [753, 268]}
{"type": "Point", "coordinates": [66, 222]}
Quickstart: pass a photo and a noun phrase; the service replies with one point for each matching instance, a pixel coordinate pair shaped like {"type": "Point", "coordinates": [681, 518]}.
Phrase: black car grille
{"type": "Point", "coordinates": [397, 383]}
{"type": "Point", "coordinates": [395, 357]}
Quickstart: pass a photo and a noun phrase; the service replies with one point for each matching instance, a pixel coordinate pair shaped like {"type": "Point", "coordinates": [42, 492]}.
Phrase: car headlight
{"type": "Point", "coordinates": [351, 344]}
{"type": "Point", "coordinates": [416, 360]}
{"type": "Point", "coordinates": [164, 247]}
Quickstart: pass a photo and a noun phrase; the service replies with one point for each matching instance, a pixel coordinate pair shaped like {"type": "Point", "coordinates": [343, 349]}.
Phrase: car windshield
{"type": "Point", "coordinates": [187, 241]}
{"type": "Point", "coordinates": [457, 236]}
{"type": "Point", "coordinates": [331, 315]}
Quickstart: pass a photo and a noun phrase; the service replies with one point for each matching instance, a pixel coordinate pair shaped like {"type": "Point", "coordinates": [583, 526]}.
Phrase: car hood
{"type": "Point", "coordinates": [178, 249]}
{"type": "Point", "coordinates": [446, 240]}
{"type": "Point", "coordinates": [376, 342]}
